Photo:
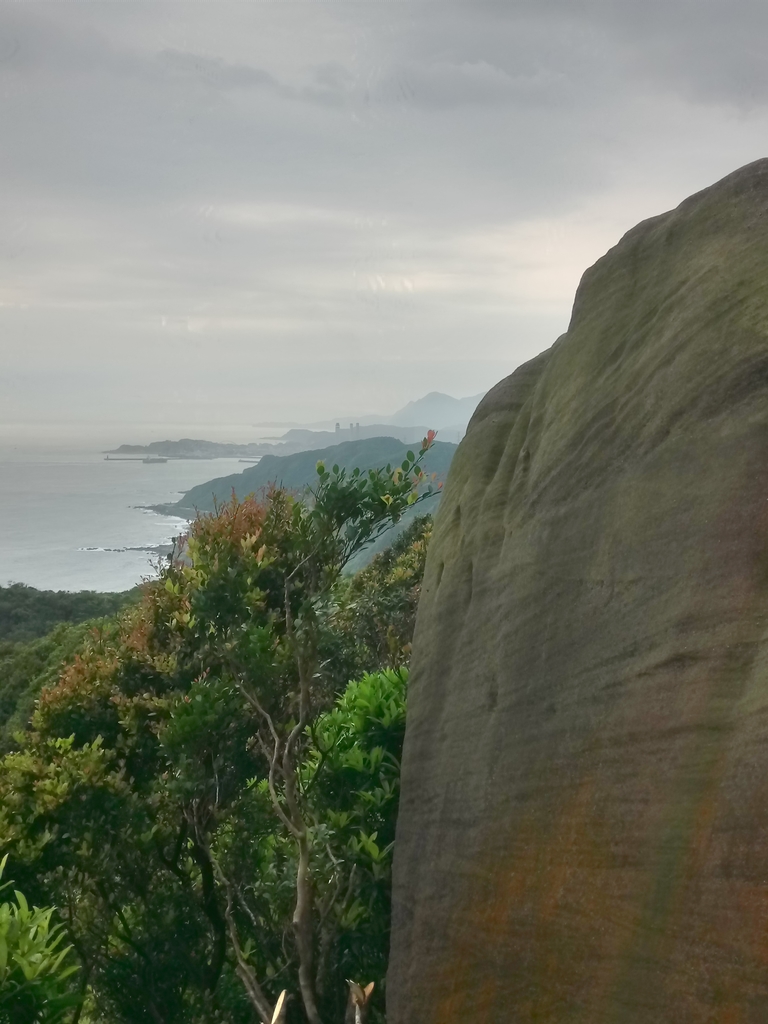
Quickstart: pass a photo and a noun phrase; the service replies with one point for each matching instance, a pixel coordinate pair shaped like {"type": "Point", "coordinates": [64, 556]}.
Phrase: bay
{"type": "Point", "coordinates": [70, 520]}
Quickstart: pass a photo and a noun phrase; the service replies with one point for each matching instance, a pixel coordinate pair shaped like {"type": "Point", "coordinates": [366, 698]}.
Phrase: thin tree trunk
{"type": "Point", "coordinates": [243, 969]}
{"type": "Point", "coordinates": [247, 975]}
{"type": "Point", "coordinates": [302, 914]}
{"type": "Point", "coordinates": [213, 913]}
{"type": "Point", "coordinates": [81, 1004]}
{"type": "Point", "coordinates": [302, 926]}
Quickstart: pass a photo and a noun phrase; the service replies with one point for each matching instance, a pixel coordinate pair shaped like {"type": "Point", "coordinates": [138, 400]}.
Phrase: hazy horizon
{"type": "Point", "coordinates": [106, 434]}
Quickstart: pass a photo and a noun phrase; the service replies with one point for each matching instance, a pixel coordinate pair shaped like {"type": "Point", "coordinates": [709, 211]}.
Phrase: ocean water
{"type": "Point", "coordinates": [69, 520]}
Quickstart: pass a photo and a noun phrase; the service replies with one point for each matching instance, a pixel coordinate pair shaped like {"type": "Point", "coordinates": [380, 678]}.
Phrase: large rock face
{"type": "Point", "coordinates": [584, 822]}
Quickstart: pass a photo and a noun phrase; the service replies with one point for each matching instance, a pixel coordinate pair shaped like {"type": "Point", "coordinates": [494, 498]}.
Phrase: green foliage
{"type": "Point", "coordinates": [27, 613]}
{"type": "Point", "coordinates": [375, 610]}
{"type": "Point", "coordinates": [35, 971]}
{"type": "Point", "coordinates": [354, 762]}
{"type": "Point", "coordinates": [29, 661]}
{"type": "Point", "coordinates": [203, 795]}
{"type": "Point", "coordinates": [26, 668]}
{"type": "Point", "coordinates": [295, 473]}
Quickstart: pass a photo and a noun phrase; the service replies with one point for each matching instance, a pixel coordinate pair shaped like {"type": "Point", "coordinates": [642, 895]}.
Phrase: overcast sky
{"type": "Point", "coordinates": [214, 214]}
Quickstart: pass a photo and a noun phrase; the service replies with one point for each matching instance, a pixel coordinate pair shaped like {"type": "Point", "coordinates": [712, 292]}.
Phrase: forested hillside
{"type": "Point", "coordinates": [25, 668]}
{"type": "Point", "coordinates": [295, 472]}
{"type": "Point", "coordinates": [206, 785]}
{"type": "Point", "coordinates": [26, 613]}
{"type": "Point", "coordinates": [40, 631]}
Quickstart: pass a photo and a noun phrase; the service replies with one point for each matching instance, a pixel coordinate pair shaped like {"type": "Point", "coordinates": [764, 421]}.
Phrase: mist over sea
{"type": "Point", "coordinates": [69, 519]}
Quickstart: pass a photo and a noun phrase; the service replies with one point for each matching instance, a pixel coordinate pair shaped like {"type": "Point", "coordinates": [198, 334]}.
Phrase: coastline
{"type": "Point", "coordinates": [177, 511]}
{"type": "Point", "coordinates": [75, 522]}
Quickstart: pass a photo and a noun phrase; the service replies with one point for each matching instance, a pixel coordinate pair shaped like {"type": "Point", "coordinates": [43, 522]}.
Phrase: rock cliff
{"type": "Point", "coordinates": [583, 834]}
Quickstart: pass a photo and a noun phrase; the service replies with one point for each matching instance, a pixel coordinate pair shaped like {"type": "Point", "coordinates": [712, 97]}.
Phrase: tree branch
{"type": "Point", "coordinates": [244, 971]}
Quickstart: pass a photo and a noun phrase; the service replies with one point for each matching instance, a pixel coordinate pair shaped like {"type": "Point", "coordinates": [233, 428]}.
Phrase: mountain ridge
{"type": "Point", "coordinates": [298, 470]}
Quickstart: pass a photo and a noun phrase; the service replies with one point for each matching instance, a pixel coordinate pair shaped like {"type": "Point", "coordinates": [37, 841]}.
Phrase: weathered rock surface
{"type": "Point", "coordinates": [584, 822]}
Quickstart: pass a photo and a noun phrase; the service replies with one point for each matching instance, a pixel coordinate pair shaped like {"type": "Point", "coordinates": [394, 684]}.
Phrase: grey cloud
{"type": "Point", "coordinates": [708, 51]}
{"type": "Point", "coordinates": [438, 84]}
{"type": "Point", "coordinates": [444, 84]}
{"type": "Point", "coordinates": [217, 72]}
{"type": "Point", "coordinates": [329, 83]}
{"type": "Point", "coordinates": [239, 195]}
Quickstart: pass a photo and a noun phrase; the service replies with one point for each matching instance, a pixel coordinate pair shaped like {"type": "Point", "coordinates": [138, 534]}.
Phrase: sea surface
{"type": "Point", "coordinates": [69, 520]}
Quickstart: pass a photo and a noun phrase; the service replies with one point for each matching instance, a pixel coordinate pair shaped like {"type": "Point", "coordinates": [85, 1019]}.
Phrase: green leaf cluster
{"type": "Point", "coordinates": [35, 968]}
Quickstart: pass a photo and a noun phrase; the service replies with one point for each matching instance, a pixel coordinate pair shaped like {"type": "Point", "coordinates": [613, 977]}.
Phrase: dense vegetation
{"type": "Point", "coordinates": [40, 632]}
{"type": "Point", "coordinates": [203, 793]}
{"type": "Point", "coordinates": [295, 472]}
{"type": "Point", "coordinates": [27, 613]}
{"type": "Point", "coordinates": [25, 669]}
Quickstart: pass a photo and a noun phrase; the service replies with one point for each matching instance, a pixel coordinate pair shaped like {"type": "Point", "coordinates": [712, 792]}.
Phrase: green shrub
{"type": "Point", "coordinates": [35, 971]}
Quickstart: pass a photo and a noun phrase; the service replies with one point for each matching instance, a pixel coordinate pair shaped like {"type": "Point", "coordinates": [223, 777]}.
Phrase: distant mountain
{"type": "Point", "coordinates": [438, 411]}
{"type": "Point", "coordinates": [298, 471]}
{"type": "Point", "coordinates": [434, 411]}
{"type": "Point", "coordinates": [301, 439]}
{"type": "Point", "coordinates": [298, 439]}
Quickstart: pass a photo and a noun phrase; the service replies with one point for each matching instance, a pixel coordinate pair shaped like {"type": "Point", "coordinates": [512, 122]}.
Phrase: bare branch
{"type": "Point", "coordinates": [243, 969]}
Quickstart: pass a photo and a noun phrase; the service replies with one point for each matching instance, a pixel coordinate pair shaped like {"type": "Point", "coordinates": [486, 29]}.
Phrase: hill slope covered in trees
{"type": "Point", "coordinates": [26, 613]}
{"type": "Point", "coordinates": [296, 472]}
